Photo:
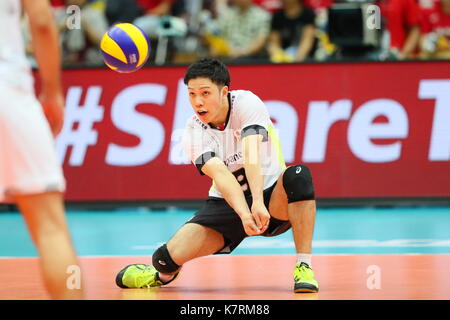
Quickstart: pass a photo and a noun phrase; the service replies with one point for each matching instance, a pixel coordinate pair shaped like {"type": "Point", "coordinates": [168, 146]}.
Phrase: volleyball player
{"type": "Point", "coordinates": [30, 174]}
{"type": "Point", "coordinates": [231, 139]}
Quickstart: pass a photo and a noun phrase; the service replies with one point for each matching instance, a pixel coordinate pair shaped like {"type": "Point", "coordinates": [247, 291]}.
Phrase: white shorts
{"type": "Point", "coordinates": [28, 161]}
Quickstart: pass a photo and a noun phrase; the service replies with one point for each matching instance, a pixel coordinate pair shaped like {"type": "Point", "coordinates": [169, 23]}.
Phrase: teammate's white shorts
{"type": "Point", "coordinates": [28, 161]}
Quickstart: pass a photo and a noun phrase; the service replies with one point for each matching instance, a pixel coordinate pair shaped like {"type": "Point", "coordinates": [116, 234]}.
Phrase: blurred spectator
{"type": "Point", "coordinates": [435, 42]}
{"type": "Point", "coordinates": [157, 18]}
{"type": "Point", "coordinates": [318, 4]}
{"type": "Point", "coordinates": [153, 11]}
{"type": "Point", "coordinates": [292, 33]}
{"type": "Point", "coordinates": [325, 48]}
{"type": "Point", "coordinates": [402, 34]}
{"type": "Point", "coordinates": [122, 11]}
{"type": "Point", "coordinates": [242, 31]}
{"type": "Point", "coordinates": [80, 43]}
{"type": "Point", "coordinates": [146, 14]}
{"type": "Point", "coordinates": [149, 15]}
{"type": "Point", "coordinates": [269, 5]}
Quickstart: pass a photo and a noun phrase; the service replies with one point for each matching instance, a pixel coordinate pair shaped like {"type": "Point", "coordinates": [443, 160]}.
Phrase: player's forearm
{"type": "Point", "coordinates": [252, 166]}
{"type": "Point", "coordinates": [231, 190]}
{"type": "Point", "coordinates": [255, 180]}
{"type": "Point", "coordinates": [47, 53]}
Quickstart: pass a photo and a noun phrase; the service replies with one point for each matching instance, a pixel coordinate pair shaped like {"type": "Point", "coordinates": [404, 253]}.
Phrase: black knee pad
{"type": "Point", "coordinates": [297, 182]}
{"type": "Point", "coordinates": [163, 262]}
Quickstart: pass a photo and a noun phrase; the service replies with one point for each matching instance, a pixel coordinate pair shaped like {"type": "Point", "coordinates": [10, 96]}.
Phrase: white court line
{"type": "Point", "coordinates": [286, 243]}
{"type": "Point", "coordinates": [271, 244]}
{"type": "Point", "coordinates": [148, 256]}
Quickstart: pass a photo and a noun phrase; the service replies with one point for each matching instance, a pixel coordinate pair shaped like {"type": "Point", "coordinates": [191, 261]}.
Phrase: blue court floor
{"type": "Point", "coordinates": [138, 231]}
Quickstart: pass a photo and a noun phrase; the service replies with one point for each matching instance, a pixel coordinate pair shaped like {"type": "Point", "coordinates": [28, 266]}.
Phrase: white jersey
{"type": "Point", "coordinates": [247, 115]}
{"type": "Point", "coordinates": [14, 66]}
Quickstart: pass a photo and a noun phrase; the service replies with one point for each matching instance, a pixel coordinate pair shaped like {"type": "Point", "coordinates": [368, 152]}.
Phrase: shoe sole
{"type": "Point", "coordinates": [306, 288]}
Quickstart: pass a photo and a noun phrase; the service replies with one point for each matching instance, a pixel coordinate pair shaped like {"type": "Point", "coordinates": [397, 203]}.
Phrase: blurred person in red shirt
{"type": "Point", "coordinates": [318, 4]}
{"type": "Point", "coordinates": [403, 21]}
{"type": "Point", "coordinates": [156, 7]}
{"type": "Point", "coordinates": [435, 42]}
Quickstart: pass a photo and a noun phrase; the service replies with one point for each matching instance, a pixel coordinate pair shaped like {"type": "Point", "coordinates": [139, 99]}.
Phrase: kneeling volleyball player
{"type": "Point", "coordinates": [231, 139]}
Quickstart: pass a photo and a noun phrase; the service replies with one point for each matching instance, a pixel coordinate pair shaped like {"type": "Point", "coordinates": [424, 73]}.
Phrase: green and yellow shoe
{"type": "Point", "coordinates": [140, 276]}
{"type": "Point", "coordinates": [304, 279]}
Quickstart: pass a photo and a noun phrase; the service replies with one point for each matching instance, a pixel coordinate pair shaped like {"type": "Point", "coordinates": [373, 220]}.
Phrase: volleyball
{"type": "Point", "coordinates": [125, 48]}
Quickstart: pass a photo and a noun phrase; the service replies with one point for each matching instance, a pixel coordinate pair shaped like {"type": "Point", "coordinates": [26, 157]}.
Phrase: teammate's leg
{"type": "Point", "coordinates": [191, 241]}
{"type": "Point", "coordinates": [300, 209]}
{"type": "Point", "coordinates": [45, 219]}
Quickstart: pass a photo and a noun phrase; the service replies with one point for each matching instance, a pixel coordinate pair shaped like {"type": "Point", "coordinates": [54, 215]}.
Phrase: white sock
{"type": "Point", "coordinates": [304, 257]}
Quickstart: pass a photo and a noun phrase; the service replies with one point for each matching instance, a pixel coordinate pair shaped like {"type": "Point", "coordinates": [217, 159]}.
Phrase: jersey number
{"type": "Point", "coordinates": [242, 179]}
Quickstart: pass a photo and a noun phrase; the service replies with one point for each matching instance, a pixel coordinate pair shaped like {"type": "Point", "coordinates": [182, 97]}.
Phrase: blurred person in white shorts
{"type": "Point", "coordinates": [30, 174]}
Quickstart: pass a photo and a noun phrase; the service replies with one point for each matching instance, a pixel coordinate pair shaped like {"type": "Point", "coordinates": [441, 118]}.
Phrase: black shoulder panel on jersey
{"type": "Point", "coordinates": [255, 129]}
{"type": "Point", "coordinates": [200, 162]}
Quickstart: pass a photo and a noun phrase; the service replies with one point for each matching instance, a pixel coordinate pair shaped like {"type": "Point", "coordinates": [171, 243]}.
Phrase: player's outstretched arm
{"type": "Point", "coordinates": [251, 146]}
{"type": "Point", "coordinates": [227, 184]}
{"type": "Point", "coordinates": [46, 48]}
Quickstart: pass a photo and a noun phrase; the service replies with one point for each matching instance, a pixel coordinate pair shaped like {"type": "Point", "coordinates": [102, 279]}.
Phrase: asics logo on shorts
{"type": "Point", "coordinates": [297, 171]}
{"type": "Point", "coordinates": [162, 262]}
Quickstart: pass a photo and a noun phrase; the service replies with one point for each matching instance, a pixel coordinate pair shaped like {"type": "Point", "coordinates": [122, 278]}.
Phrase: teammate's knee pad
{"type": "Point", "coordinates": [163, 262]}
{"type": "Point", "coordinates": [297, 182]}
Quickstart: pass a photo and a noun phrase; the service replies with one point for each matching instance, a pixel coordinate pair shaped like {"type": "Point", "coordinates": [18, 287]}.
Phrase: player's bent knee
{"type": "Point", "coordinates": [163, 262]}
{"type": "Point", "coordinates": [297, 182]}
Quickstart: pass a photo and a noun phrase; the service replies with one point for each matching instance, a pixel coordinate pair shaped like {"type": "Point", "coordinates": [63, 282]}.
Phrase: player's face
{"type": "Point", "coordinates": [208, 100]}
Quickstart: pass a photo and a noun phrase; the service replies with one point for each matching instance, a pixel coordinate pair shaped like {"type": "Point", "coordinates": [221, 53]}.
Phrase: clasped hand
{"type": "Point", "coordinates": [257, 221]}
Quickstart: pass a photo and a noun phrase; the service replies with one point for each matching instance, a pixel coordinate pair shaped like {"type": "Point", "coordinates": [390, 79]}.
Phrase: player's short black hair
{"type": "Point", "coordinates": [212, 69]}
